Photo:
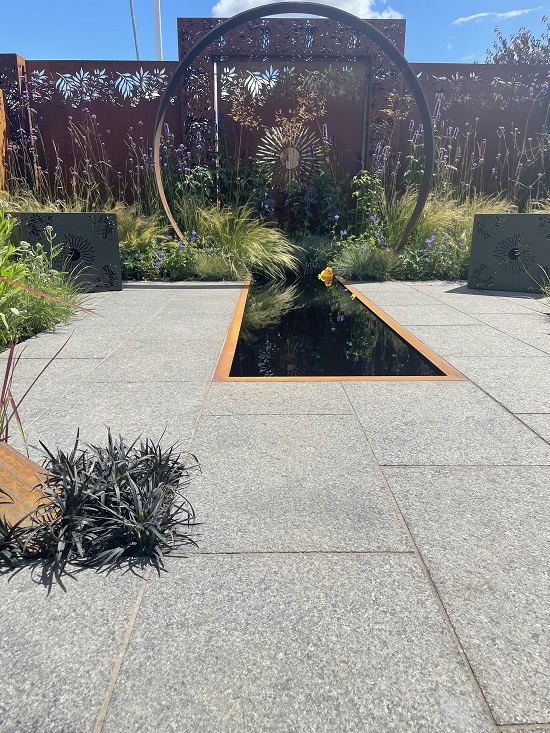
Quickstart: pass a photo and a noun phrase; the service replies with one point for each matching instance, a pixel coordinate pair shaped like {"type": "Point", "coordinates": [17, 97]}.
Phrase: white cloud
{"type": "Point", "coordinates": [468, 18]}
{"type": "Point", "coordinates": [360, 8]}
{"type": "Point", "coordinates": [449, 47]}
{"type": "Point", "coordinates": [496, 16]}
{"type": "Point", "coordinates": [469, 58]}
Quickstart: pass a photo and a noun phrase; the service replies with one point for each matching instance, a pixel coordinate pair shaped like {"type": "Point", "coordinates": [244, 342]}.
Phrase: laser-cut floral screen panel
{"type": "Point", "coordinates": [289, 110]}
{"type": "Point", "coordinates": [510, 252]}
{"type": "Point", "coordinates": [276, 44]}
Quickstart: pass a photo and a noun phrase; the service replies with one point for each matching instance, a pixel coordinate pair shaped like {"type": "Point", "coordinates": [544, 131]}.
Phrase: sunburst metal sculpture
{"type": "Point", "coordinates": [514, 254]}
{"type": "Point", "coordinates": [293, 155]}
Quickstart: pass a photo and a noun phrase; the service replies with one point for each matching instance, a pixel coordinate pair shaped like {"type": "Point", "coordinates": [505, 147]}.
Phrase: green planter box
{"type": "Point", "coordinates": [89, 246]}
{"type": "Point", "coordinates": [510, 252]}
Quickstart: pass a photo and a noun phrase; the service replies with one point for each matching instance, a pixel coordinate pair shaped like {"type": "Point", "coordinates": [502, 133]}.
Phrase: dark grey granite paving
{"type": "Point", "coordinates": [313, 602]}
{"type": "Point", "coordinates": [520, 383]}
{"type": "Point", "coordinates": [293, 643]}
{"type": "Point", "coordinates": [484, 534]}
{"type": "Point", "coordinates": [57, 651]}
{"type": "Point", "coordinates": [442, 423]}
{"type": "Point", "coordinates": [291, 483]}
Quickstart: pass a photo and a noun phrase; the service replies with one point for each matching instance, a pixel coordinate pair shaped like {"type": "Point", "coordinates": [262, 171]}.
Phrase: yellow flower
{"type": "Point", "coordinates": [326, 276]}
{"type": "Point", "coordinates": [353, 296]}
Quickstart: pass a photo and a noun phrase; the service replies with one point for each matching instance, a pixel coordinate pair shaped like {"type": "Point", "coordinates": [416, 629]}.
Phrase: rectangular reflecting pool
{"type": "Point", "coordinates": [306, 330]}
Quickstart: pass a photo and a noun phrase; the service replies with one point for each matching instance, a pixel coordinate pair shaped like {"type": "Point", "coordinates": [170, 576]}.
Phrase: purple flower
{"type": "Point", "coordinates": [343, 232]}
{"type": "Point", "coordinates": [180, 245]}
{"type": "Point", "coordinates": [193, 236]}
{"type": "Point", "coordinates": [160, 254]}
{"type": "Point", "coordinates": [158, 264]}
{"type": "Point", "coordinates": [336, 217]}
{"type": "Point", "coordinates": [136, 256]}
{"type": "Point", "coordinates": [340, 317]}
{"type": "Point", "coordinates": [209, 250]}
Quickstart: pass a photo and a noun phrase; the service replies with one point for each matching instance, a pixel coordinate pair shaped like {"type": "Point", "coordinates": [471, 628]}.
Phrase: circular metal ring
{"type": "Point", "coordinates": [325, 11]}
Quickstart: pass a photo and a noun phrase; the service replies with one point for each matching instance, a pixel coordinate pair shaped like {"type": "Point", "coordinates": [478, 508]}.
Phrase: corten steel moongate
{"type": "Point", "coordinates": [223, 368]}
{"type": "Point", "coordinates": [3, 139]}
{"type": "Point", "coordinates": [360, 26]}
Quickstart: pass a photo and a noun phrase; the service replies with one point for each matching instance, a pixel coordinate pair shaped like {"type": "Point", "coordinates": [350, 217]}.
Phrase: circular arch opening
{"type": "Point", "coordinates": [324, 11]}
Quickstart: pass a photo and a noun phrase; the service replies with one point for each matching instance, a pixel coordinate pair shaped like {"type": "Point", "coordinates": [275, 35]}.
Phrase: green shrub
{"type": "Point", "coordinates": [22, 313]}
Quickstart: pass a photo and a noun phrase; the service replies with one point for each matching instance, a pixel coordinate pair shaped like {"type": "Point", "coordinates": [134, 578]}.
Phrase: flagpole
{"type": "Point", "coordinates": [158, 30]}
{"type": "Point", "coordinates": [134, 29]}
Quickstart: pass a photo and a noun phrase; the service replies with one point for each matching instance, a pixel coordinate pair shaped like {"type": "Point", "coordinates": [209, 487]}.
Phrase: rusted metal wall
{"type": "Point", "coordinates": [491, 107]}
{"type": "Point", "coordinates": [497, 115]}
{"type": "Point", "coordinates": [113, 102]}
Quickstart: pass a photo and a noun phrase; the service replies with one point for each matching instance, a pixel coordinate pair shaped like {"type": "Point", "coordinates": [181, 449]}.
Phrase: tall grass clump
{"type": "Point", "coordinates": [245, 243]}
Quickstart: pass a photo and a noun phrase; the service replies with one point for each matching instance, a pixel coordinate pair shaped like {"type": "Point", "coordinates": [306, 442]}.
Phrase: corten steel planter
{"type": "Point", "coordinates": [89, 246]}
{"type": "Point", "coordinates": [510, 252]}
{"type": "Point", "coordinates": [18, 479]}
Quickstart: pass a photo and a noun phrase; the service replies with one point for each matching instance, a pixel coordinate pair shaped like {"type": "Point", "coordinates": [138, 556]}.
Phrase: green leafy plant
{"type": "Point", "coordinates": [100, 505]}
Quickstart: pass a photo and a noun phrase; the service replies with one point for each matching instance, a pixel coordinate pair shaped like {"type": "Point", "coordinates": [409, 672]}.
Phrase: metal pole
{"type": "Point", "coordinates": [158, 30]}
{"type": "Point", "coordinates": [134, 28]}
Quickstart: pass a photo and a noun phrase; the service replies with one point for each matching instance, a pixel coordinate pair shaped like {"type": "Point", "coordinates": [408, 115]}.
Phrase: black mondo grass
{"type": "Point", "coordinates": [101, 505]}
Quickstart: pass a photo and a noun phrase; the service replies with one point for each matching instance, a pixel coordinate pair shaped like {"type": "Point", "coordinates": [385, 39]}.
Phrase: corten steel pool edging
{"type": "Point", "coordinates": [225, 361]}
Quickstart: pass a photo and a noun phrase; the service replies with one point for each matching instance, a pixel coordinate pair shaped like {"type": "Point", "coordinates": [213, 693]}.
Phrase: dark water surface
{"type": "Point", "coordinates": [305, 329]}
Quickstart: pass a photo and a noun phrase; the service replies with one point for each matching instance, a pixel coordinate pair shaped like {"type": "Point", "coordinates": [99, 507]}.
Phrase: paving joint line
{"type": "Point", "coordinates": [466, 662]}
{"type": "Point", "coordinates": [262, 553]}
{"type": "Point", "coordinates": [121, 654]}
{"type": "Point", "coordinates": [476, 317]}
{"type": "Point", "coordinates": [100, 361]}
{"type": "Point", "coordinates": [520, 727]}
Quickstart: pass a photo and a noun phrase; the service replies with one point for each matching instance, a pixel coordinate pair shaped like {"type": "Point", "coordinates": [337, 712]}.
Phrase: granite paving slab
{"type": "Point", "coordinates": [60, 378]}
{"type": "Point", "coordinates": [428, 315]}
{"type": "Point", "coordinates": [82, 342]}
{"type": "Point", "coordinates": [442, 423]}
{"type": "Point", "coordinates": [472, 340]}
{"type": "Point", "coordinates": [276, 398]}
{"type": "Point", "coordinates": [57, 650]}
{"type": "Point", "coordinates": [531, 328]}
{"type": "Point", "coordinates": [322, 492]}
{"type": "Point", "coordinates": [484, 534]}
{"type": "Point", "coordinates": [472, 302]}
{"type": "Point", "coordinates": [158, 360]}
{"type": "Point", "coordinates": [392, 296]}
{"type": "Point", "coordinates": [130, 409]}
{"type": "Point", "coordinates": [520, 383]}
{"type": "Point", "coordinates": [539, 423]}
{"type": "Point", "coordinates": [293, 643]}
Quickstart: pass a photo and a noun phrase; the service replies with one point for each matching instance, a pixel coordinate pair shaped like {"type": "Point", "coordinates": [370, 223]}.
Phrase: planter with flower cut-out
{"type": "Point", "coordinates": [510, 252]}
{"type": "Point", "coordinates": [88, 245]}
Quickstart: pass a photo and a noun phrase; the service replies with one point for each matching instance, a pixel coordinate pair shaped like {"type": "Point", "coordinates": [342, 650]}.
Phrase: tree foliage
{"type": "Point", "coordinates": [522, 47]}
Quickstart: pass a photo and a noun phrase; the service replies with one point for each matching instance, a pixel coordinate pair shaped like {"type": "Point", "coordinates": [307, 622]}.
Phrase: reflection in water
{"type": "Point", "coordinates": [306, 329]}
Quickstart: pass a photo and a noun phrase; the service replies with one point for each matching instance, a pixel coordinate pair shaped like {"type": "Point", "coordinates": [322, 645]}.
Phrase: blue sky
{"type": "Point", "coordinates": [101, 29]}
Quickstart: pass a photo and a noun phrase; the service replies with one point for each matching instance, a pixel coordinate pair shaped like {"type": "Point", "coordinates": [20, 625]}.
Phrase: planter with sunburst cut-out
{"type": "Point", "coordinates": [87, 245]}
{"type": "Point", "coordinates": [510, 252]}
